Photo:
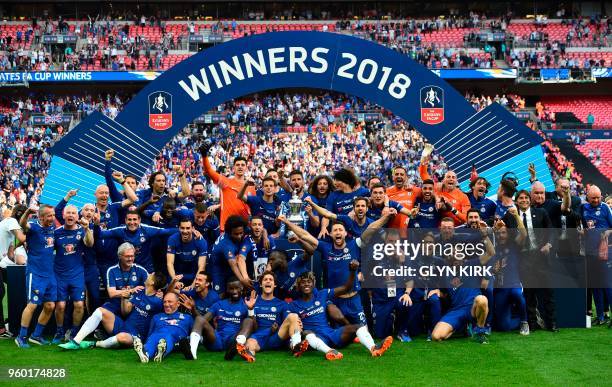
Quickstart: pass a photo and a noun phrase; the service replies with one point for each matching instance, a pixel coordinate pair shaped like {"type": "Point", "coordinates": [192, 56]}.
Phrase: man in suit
{"type": "Point", "coordinates": [534, 263]}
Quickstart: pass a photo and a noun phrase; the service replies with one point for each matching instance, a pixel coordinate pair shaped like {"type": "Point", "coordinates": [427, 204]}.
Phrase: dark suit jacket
{"type": "Point", "coordinates": [542, 226]}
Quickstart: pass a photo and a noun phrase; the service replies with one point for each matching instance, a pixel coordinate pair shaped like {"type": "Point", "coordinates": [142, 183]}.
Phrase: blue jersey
{"type": "Point", "coordinates": [427, 217]}
{"type": "Point", "coordinates": [375, 213]}
{"type": "Point", "coordinates": [313, 313]}
{"type": "Point", "coordinates": [285, 280]}
{"type": "Point", "coordinates": [463, 290]}
{"type": "Point", "coordinates": [256, 254]}
{"type": "Point", "coordinates": [337, 262]}
{"type": "Point", "coordinates": [341, 203]}
{"type": "Point", "coordinates": [41, 243]}
{"type": "Point", "coordinates": [202, 305]}
{"type": "Point", "coordinates": [210, 229]}
{"type": "Point", "coordinates": [268, 312]}
{"type": "Point", "coordinates": [177, 324]}
{"type": "Point", "coordinates": [120, 279]}
{"type": "Point", "coordinates": [69, 249]}
{"type": "Point", "coordinates": [485, 206]}
{"type": "Point", "coordinates": [595, 221]}
{"type": "Point", "coordinates": [141, 239]}
{"type": "Point", "coordinates": [223, 251]}
{"type": "Point", "coordinates": [505, 266]}
{"type": "Point", "coordinates": [268, 211]}
{"type": "Point", "coordinates": [229, 316]}
{"type": "Point", "coordinates": [143, 310]}
{"type": "Point", "coordinates": [186, 254]}
{"type": "Point", "coordinates": [282, 195]}
{"type": "Point", "coordinates": [353, 229]}
{"type": "Point", "coordinates": [500, 209]}
{"type": "Point", "coordinates": [106, 250]}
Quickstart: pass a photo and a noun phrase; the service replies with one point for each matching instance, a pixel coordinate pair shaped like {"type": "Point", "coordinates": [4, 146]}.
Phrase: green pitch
{"type": "Point", "coordinates": [570, 357]}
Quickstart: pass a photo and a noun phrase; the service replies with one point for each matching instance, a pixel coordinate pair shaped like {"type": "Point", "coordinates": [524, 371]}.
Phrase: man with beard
{"type": "Point", "coordinates": [479, 188]}
{"type": "Point", "coordinates": [186, 254]}
{"type": "Point", "coordinates": [310, 307]}
{"type": "Point", "coordinates": [229, 187]}
{"type": "Point", "coordinates": [447, 190]}
{"type": "Point", "coordinates": [404, 193]}
{"type": "Point", "coordinates": [254, 252]}
{"type": "Point", "coordinates": [199, 298]}
{"type": "Point", "coordinates": [157, 189]}
{"type": "Point", "coordinates": [166, 330]}
{"type": "Point", "coordinates": [355, 227]}
{"type": "Point", "coordinates": [427, 211]}
{"type": "Point", "coordinates": [336, 256]}
{"type": "Point", "coordinates": [139, 235]}
{"type": "Point", "coordinates": [276, 327]}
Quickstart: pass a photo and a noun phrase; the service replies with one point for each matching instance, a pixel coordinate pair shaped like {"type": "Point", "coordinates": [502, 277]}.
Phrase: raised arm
{"type": "Point", "coordinates": [185, 187]}
{"type": "Point", "coordinates": [23, 221]}
{"type": "Point", "coordinates": [322, 211]}
{"type": "Point", "coordinates": [347, 287]}
{"type": "Point", "coordinates": [114, 193]}
{"type": "Point", "coordinates": [300, 232]}
{"type": "Point", "coordinates": [242, 194]}
{"type": "Point", "coordinates": [368, 233]}
{"type": "Point", "coordinates": [88, 240]}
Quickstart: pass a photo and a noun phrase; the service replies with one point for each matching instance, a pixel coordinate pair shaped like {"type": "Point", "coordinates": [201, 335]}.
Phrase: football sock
{"type": "Point", "coordinates": [111, 342]}
{"type": "Point", "coordinates": [89, 325]}
{"type": "Point", "coordinates": [317, 343]}
{"type": "Point", "coordinates": [365, 337]}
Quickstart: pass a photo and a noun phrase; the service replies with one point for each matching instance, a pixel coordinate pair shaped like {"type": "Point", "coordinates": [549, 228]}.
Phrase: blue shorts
{"type": "Point", "coordinates": [267, 339]}
{"type": "Point", "coordinates": [113, 306]}
{"type": "Point", "coordinates": [331, 337]}
{"type": "Point", "coordinates": [121, 326]}
{"type": "Point", "coordinates": [458, 317]}
{"type": "Point", "coordinates": [73, 288]}
{"type": "Point", "coordinates": [41, 289]}
{"type": "Point", "coordinates": [222, 341]}
{"type": "Point", "coordinates": [352, 309]}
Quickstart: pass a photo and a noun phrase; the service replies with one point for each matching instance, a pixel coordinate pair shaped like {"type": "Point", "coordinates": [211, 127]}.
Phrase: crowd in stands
{"type": "Point", "coordinates": [144, 43]}
{"type": "Point", "coordinates": [254, 127]}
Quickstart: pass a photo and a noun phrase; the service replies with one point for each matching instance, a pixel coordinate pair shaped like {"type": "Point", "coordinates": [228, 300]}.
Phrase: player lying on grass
{"type": "Point", "coordinates": [275, 326]}
{"type": "Point", "coordinates": [310, 307]}
{"type": "Point", "coordinates": [137, 311]}
{"type": "Point", "coordinates": [166, 329]}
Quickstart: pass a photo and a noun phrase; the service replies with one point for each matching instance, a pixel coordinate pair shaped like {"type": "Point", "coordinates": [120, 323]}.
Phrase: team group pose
{"type": "Point", "coordinates": [160, 269]}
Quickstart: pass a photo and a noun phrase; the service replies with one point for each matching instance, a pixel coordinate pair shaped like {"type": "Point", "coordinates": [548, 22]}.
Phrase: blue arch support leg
{"type": "Point", "coordinates": [493, 138]}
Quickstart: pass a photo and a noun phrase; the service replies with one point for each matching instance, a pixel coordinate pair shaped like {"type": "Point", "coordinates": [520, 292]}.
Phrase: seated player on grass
{"type": "Point", "coordinates": [138, 310]}
{"type": "Point", "coordinates": [276, 327]}
{"type": "Point", "coordinates": [123, 280]}
{"type": "Point", "coordinates": [311, 308]}
{"type": "Point", "coordinates": [466, 302]}
{"type": "Point", "coordinates": [233, 326]}
{"type": "Point", "coordinates": [166, 329]}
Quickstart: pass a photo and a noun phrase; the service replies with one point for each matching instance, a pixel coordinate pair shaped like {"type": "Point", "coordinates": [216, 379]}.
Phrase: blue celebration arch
{"type": "Point", "coordinates": [492, 139]}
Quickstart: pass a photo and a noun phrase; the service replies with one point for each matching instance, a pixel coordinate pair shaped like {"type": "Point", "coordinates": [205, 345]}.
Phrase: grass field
{"type": "Point", "coordinates": [570, 357]}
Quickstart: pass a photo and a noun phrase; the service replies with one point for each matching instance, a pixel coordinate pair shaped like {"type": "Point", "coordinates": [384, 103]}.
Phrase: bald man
{"type": "Point", "coordinates": [597, 221]}
{"type": "Point", "coordinates": [447, 189]}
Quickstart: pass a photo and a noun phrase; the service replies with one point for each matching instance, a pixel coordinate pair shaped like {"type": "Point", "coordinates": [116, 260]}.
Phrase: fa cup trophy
{"type": "Point", "coordinates": [295, 213]}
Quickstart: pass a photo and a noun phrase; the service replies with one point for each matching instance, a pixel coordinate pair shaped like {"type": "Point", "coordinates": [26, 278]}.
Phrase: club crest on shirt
{"type": "Point", "coordinates": [49, 241]}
